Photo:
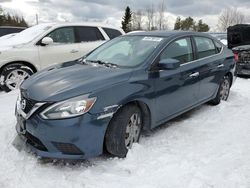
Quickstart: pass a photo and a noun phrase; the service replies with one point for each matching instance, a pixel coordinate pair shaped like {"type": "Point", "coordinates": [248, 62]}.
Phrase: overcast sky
{"type": "Point", "coordinates": [111, 11]}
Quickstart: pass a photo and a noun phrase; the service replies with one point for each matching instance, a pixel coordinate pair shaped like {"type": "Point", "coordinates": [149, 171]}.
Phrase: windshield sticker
{"type": "Point", "coordinates": [153, 39]}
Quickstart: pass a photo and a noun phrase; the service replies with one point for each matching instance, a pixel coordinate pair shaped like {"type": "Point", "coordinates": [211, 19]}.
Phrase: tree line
{"type": "Point", "coordinates": [9, 20]}
{"type": "Point", "coordinates": [153, 18]}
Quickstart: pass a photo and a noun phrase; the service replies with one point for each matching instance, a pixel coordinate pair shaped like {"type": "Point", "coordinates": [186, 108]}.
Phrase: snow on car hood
{"type": "Point", "coordinates": [71, 79]}
{"type": "Point", "coordinates": [25, 36]}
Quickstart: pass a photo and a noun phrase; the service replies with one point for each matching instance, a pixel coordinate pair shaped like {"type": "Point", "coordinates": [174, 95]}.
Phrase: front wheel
{"type": "Point", "coordinates": [124, 130]}
{"type": "Point", "coordinates": [223, 92]}
{"type": "Point", "coordinates": [13, 75]}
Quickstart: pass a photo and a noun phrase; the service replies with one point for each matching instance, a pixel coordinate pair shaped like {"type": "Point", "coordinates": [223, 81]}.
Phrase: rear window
{"type": "Point", "coordinates": [112, 33]}
{"type": "Point", "coordinates": [88, 34]}
{"type": "Point", "coordinates": [205, 47]}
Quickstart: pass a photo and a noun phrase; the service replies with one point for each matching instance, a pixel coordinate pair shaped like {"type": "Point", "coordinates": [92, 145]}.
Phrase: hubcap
{"type": "Point", "coordinates": [15, 78]}
{"type": "Point", "coordinates": [133, 130]}
{"type": "Point", "coordinates": [225, 88]}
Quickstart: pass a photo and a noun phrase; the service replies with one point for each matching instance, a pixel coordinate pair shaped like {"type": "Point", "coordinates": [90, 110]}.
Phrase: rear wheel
{"type": "Point", "coordinates": [123, 130]}
{"type": "Point", "coordinates": [13, 75]}
{"type": "Point", "coordinates": [223, 92]}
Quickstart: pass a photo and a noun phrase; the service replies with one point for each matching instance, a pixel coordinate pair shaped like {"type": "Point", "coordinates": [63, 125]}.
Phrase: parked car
{"type": "Point", "coordinates": [5, 30]}
{"type": "Point", "coordinates": [133, 82]}
{"type": "Point", "coordinates": [7, 36]}
{"type": "Point", "coordinates": [222, 37]}
{"type": "Point", "coordinates": [242, 56]}
{"type": "Point", "coordinates": [238, 35]}
{"type": "Point", "coordinates": [46, 44]}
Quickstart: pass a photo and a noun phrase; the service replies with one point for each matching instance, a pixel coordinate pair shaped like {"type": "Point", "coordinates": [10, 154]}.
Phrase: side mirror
{"type": "Point", "coordinates": [47, 41]}
{"type": "Point", "coordinates": [169, 64]}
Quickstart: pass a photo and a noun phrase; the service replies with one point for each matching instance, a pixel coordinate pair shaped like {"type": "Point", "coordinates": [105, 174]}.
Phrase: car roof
{"type": "Point", "coordinates": [93, 24]}
{"type": "Point", "coordinates": [166, 34]}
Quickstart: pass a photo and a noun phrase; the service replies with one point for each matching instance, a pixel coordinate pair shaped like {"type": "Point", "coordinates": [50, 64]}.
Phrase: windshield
{"type": "Point", "coordinates": [126, 51]}
{"type": "Point", "coordinates": [27, 35]}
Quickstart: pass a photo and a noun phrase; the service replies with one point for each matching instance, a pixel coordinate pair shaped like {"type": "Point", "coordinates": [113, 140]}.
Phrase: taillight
{"type": "Point", "coordinates": [236, 57]}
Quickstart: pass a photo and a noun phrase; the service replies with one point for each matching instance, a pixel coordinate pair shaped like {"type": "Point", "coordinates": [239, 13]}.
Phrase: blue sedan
{"type": "Point", "coordinates": [104, 100]}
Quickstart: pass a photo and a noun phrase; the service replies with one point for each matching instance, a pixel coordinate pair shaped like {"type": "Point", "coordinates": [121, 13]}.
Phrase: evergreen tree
{"type": "Point", "coordinates": [126, 22]}
{"type": "Point", "coordinates": [189, 24]}
{"type": "Point", "coordinates": [202, 27]}
{"type": "Point", "coordinates": [177, 25]}
{"type": "Point", "coordinates": [8, 20]}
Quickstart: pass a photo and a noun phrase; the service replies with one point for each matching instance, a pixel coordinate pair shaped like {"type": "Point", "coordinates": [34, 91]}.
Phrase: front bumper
{"type": "Point", "coordinates": [75, 138]}
{"type": "Point", "coordinates": [243, 68]}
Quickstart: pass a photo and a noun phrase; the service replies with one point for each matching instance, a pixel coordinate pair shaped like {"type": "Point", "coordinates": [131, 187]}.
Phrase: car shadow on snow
{"type": "Point", "coordinates": [244, 76]}
{"type": "Point", "coordinates": [175, 121]}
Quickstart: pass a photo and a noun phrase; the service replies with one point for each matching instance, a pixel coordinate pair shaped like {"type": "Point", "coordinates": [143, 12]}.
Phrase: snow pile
{"type": "Point", "coordinates": [207, 147]}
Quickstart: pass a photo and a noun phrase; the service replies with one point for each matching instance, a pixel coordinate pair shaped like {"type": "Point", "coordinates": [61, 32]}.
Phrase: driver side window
{"type": "Point", "coordinates": [63, 35]}
{"type": "Point", "coordinates": [180, 49]}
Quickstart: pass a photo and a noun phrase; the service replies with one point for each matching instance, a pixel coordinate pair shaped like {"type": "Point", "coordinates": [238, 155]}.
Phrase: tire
{"type": "Point", "coordinates": [9, 79]}
{"type": "Point", "coordinates": [223, 92]}
{"type": "Point", "coordinates": [122, 132]}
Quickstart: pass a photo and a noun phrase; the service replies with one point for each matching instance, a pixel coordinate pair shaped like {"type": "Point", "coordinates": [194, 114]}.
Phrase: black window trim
{"type": "Point", "coordinates": [155, 61]}
{"type": "Point", "coordinates": [222, 49]}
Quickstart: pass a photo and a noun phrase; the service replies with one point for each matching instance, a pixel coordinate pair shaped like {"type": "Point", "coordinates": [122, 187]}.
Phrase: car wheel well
{"type": "Point", "coordinates": [230, 75]}
{"type": "Point", "coordinates": [25, 63]}
{"type": "Point", "coordinates": [146, 114]}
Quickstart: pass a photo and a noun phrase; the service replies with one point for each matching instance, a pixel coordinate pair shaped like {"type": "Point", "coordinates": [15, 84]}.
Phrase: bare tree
{"type": "Point", "coordinates": [150, 13]}
{"type": "Point", "coordinates": [162, 19]}
{"type": "Point", "coordinates": [137, 20]}
{"type": "Point", "coordinates": [229, 17]}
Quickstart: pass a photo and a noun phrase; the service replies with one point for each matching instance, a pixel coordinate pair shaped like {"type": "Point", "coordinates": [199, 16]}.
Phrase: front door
{"type": "Point", "coordinates": [64, 47]}
{"type": "Point", "coordinates": [177, 90]}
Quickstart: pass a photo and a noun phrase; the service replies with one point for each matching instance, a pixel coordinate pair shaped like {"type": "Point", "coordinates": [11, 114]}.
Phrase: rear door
{"type": "Point", "coordinates": [63, 49]}
{"type": "Point", "coordinates": [212, 66]}
{"type": "Point", "coordinates": [89, 38]}
{"type": "Point", "coordinates": [177, 90]}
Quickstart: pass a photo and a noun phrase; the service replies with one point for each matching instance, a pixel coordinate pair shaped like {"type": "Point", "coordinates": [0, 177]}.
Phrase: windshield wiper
{"type": "Point", "coordinates": [105, 63]}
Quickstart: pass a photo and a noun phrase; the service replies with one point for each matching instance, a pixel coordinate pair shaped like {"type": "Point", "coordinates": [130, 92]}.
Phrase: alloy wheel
{"type": "Point", "coordinates": [133, 130]}
{"type": "Point", "coordinates": [15, 78]}
{"type": "Point", "coordinates": [225, 88]}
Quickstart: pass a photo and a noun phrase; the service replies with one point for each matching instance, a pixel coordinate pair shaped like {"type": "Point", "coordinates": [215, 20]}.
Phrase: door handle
{"type": "Point", "coordinates": [220, 65]}
{"type": "Point", "coordinates": [194, 75]}
{"type": "Point", "coordinates": [74, 51]}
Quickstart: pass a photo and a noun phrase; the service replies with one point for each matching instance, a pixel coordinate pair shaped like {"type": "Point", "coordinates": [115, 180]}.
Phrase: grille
{"type": "Point", "coordinates": [245, 57]}
{"type": "Point", "coordinates": [67, 148]}
{"type": "Point", "coordinates": [29, 104]}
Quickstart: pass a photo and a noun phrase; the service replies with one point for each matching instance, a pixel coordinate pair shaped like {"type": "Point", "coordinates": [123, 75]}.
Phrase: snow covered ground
{"type": "Point", "coordinates": [207, 147]}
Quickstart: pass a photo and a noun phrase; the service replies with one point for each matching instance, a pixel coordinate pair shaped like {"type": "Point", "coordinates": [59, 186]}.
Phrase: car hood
{"type": "Point", "coordinates": [241, 48]}
{"type": "Point", "coordinates": [71, 79]}
{"type": "Point", "coordinates": [5, 46]}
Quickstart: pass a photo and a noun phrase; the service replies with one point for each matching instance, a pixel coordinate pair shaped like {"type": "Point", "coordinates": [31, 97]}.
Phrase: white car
{"type": "Point", "coordinates": [46, 44]}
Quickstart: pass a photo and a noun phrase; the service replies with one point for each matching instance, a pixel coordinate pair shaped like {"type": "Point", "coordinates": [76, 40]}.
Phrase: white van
{"type": "Point", "coordinates": [46, 44]}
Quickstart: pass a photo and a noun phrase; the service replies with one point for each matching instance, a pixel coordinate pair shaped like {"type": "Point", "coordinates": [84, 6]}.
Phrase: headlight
{"type": "Point", "coordinates": [69, 108]}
